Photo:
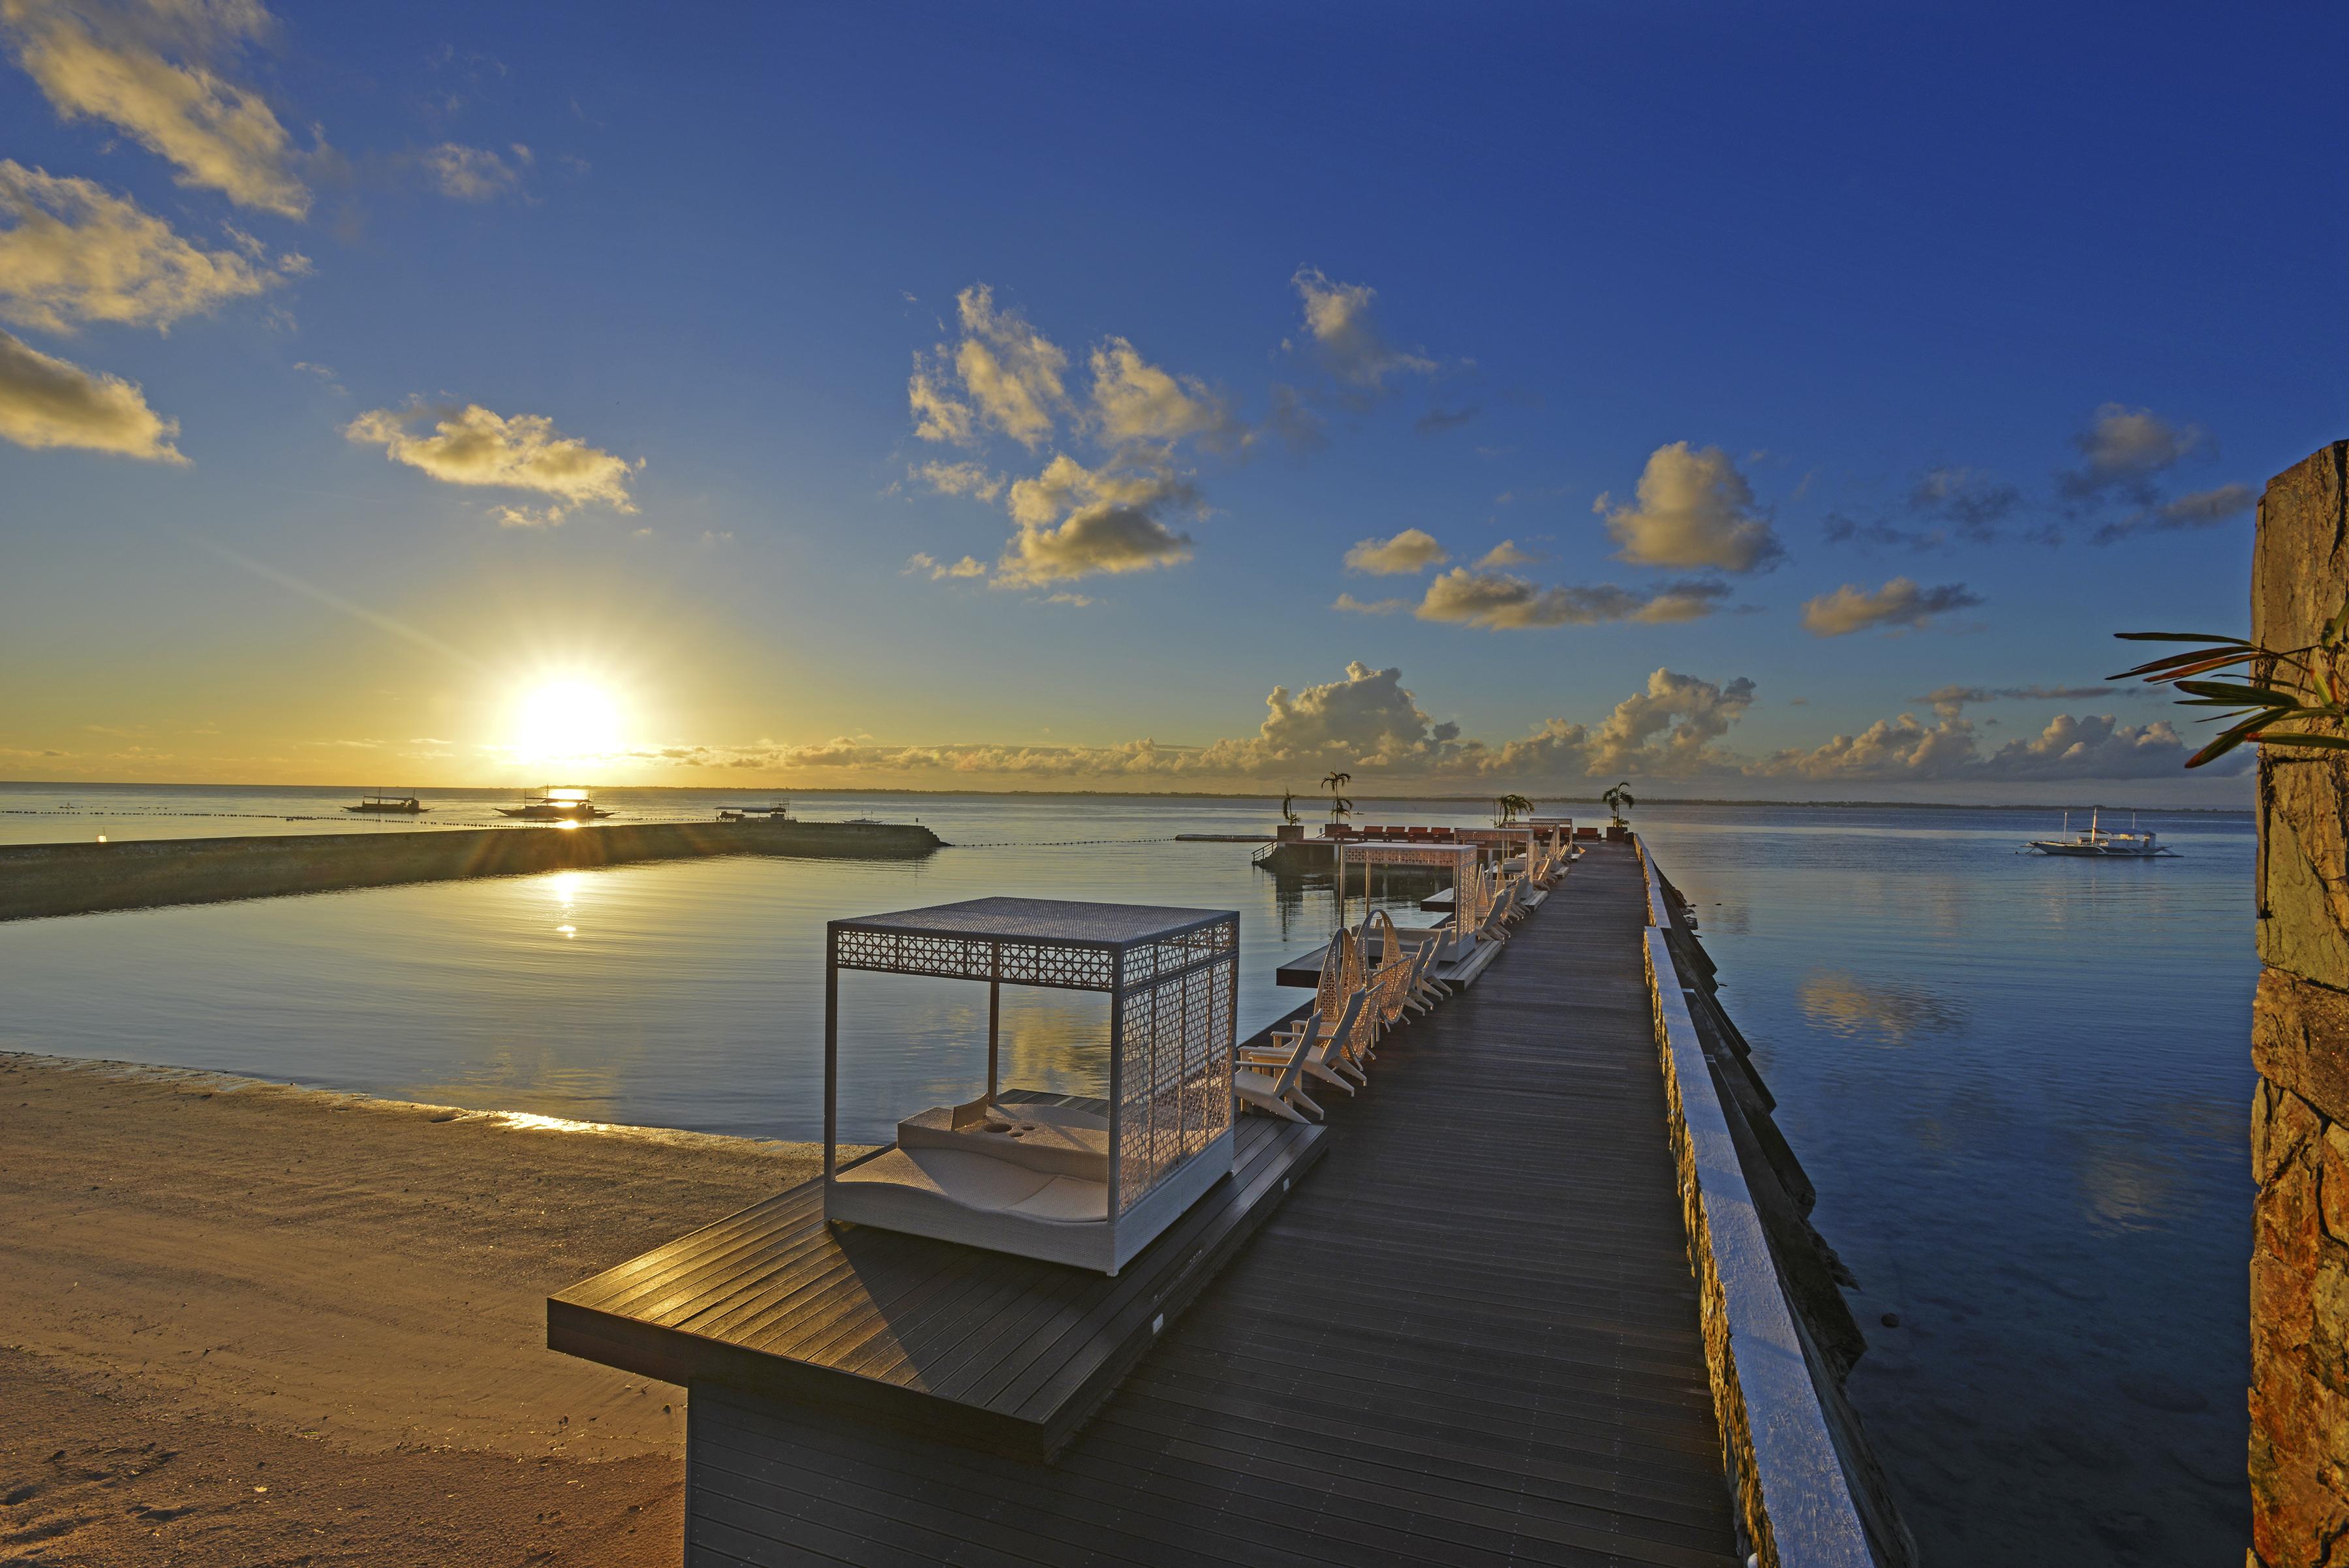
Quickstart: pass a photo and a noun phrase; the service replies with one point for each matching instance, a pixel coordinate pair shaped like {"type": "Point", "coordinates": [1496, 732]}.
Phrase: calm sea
{"type": "Point", "coordinates": [2020, 1085]}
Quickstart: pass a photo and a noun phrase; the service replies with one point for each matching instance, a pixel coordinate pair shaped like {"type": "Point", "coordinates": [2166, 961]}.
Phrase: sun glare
{"type": "Point", "coordinates": [557, 721]}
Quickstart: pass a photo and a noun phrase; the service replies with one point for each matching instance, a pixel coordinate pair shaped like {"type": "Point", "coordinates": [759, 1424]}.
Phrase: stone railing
{"type": "Point", "coordinates": [1796, 1494]}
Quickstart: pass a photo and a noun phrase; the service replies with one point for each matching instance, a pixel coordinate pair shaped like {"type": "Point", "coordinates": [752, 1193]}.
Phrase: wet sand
{"type": "Point", "coordinates": [245, 1323]}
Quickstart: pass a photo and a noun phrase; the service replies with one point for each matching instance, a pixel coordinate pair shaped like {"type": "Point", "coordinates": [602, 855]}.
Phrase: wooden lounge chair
{"type": "Point", "coordinates": [1324, 1050]}
{"type": "Point", "coordinates": [1270, 1091]}
{"type": "Point", "coordinates": [1426, 990]}
{"type": "Point", "coordinates": [1496, 919]}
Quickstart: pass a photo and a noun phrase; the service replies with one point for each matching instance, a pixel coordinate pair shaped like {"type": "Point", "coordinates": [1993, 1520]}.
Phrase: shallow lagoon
{"type": "Point", "coordinates": [2020, 1086]}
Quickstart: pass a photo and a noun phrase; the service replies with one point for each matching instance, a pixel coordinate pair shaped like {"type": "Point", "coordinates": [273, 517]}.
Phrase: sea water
{"type": "Point", "coordinates": [2020, 1086]}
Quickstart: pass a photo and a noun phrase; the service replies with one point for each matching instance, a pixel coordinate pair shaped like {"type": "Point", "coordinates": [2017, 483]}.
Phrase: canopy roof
{"type": "Point", "coordinates": [1038, 941]}
{"type": "Point", "coordinates": [1385, 852]}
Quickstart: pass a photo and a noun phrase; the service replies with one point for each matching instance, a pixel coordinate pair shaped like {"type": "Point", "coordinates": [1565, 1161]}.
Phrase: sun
{"type": "Point", "coordinates": [563, 719]}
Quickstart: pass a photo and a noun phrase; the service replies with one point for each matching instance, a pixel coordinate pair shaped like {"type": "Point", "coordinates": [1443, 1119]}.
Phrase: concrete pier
{"type": "Point", "coordinates": [41, 879]}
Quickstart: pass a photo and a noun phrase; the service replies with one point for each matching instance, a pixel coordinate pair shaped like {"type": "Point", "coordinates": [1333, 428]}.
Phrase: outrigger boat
{"type": "Point", "coordinates": [556, 804]}
{"type": "Point", "coordinates": [405, 804]}
{"type": "Point", "coordinates": [2100, 843]}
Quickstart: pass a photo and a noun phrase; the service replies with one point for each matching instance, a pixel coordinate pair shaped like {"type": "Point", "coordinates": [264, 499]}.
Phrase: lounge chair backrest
{"type": "Point", "coordinates": [1290, 1071]}
{"type": "Point", "coordinates": [1357, 1027]}
{"type": "Point", "coordinates": [1340, 1041]}
{"type": "Point", "coordinates": [1341, 973]}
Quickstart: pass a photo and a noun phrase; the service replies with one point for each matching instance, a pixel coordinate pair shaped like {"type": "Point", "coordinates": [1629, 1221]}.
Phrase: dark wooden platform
{"type": "Point", "coordinates": [1470, 1338]}
{"type": "Point", "coordinates": [982, 1347]}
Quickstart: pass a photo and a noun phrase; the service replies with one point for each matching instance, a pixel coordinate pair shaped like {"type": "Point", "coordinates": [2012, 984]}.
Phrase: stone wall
{"type": "Point", "coordinates": [2300, 1043]}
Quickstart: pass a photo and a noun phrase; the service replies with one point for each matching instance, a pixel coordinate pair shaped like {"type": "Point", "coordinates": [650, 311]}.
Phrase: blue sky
{"type": "Point", "coordinates": [557, 385]}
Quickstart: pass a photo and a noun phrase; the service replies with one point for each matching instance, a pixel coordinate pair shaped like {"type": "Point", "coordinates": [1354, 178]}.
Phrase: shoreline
{"type": "Point", "coordinates": [251, 1321]}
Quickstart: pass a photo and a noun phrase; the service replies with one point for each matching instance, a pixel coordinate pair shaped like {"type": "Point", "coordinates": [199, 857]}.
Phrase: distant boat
{"type": "Point", "coordinates": [402, 804]}
{"type": "Point", "coordinates": [2103, 844]}
{"type": "Point", "coordinates": [556, 804]}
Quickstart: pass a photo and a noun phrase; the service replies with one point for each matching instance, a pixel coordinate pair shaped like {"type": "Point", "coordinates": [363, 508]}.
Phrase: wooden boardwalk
{"type": "Point", "coordinates": [1469, 1337]}
{"type": "Point", "coordinates": [999, 1351]}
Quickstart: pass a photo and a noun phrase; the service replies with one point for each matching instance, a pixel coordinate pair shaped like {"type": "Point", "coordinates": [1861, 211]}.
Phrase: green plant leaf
{"type": "Point", "coordinates": [2326, 742]}
{"type": "Point", "coordinates": [2179, 637]}
{"type": "Point", "coordinates": [2218, 748]}
{"type": "Point", "coordinates": [2260, 695]}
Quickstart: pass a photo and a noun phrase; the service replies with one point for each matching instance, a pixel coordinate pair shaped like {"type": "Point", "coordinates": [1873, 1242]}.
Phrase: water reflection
{"type": "Point", "coordinates": [1890, 1012]}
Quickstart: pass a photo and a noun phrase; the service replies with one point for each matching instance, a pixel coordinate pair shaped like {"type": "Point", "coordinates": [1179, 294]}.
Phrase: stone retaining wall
{"type": "Point", "coordinates": [2299, 1460]}
{"type": "Point", "coordinates": [1809, 1492]}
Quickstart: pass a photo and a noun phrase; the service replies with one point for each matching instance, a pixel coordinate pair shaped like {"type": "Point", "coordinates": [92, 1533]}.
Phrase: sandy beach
{"type": "Point", "coordinates": [245, 1323]}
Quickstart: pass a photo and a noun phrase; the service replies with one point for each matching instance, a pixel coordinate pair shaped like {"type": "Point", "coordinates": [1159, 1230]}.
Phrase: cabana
{"type": "Point", "coordinates": [1085, 1182]}
{"type": "Point", "coordinates": [1458, 858]}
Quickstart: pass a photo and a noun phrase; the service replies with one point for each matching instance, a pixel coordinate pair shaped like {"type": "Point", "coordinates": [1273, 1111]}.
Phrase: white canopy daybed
{"type": "Point", "coordinates": [1088, 1183]}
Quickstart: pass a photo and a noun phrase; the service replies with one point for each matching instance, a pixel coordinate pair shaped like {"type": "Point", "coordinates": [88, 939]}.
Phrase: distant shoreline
{"type": "Point", "coordinates": [748, 792]}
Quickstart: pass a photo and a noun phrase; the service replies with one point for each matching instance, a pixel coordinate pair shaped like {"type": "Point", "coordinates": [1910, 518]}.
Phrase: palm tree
{"type": "Point", "coordinates": [1289, 806]}
{"type": "Point", "coordinates": [1340, 807]}
{"type": "Point", "coordinates": [1617, 798]}
{"type": "Point", "coordinates": [1506, 809]}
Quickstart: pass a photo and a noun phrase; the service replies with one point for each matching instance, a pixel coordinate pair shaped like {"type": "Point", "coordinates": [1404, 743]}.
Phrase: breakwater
{"type": "Point", "coordinates": [43, 879]}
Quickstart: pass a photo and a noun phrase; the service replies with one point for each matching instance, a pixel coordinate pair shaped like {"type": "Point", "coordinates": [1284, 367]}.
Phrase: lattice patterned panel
{"type": "Point", "coordinates": [975, 958]}
{"type": "Point", "coordinates": [1147, 962]}
{"type": "Point", "coordinates": [1176, 1089]}
{"type": "Point", "coordinates": [1358, 855]}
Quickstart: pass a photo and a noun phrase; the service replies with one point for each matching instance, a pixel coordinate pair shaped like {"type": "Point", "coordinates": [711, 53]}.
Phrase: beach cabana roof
{"type": "Point", "coordinates": [1056, 942]}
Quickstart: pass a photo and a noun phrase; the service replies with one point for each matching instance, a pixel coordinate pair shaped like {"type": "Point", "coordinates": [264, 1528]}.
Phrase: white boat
{"type": "Point", "coordinates": [2101, 843]}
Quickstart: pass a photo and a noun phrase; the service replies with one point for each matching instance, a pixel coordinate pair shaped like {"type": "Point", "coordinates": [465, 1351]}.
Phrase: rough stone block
{"type": "Point", "coordinates": [2332, 1192]}
{"type": "Point", "coordinates": [2297, 1514]}
{"type": "Point", "coordinates": [2300, 1042]}
{"type": "Point", "coordinates": [2328, 1337]}
{"type": "Point", "coordinates": [2299, 575]}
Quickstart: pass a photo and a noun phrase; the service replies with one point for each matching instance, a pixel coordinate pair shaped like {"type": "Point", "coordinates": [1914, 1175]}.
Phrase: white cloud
{"type": "Point", "coordinates": [1339, 325]}
{"type": "Point", "coordinates": [1903, 750]}
{"type": "Point", "coordinates": [2200, 509]}
{"type": "Point", "coordinates": [1670, 728]}
{"type": "Point", "coordinates": [1135, 400]}
{"type": "Point", "coordinates": [938, 414]}
{"type": "Point", "coordinates": [1352, 606]}
{"type": "Point", "coordinates": [935, 569]}
{"type": "Point", "coordinates": [1694, 509]}
{"type": "Point", "coordinates": [472, 173]}
{"type": "Point", "coordinates": [73, 252]}
{"type": "Point", "coordinates": [1368, 719]}
{"type": "Point", "coordinates": [1505, 554]}
{"type": "Point", "coordinates": [474, 446]}
{"type": "Point", "coordinates": [1011, 377]}
{"type": "Point", "coordinates": [1899, 603]}
{"type": "Point", "coordinates": [1412, 550]}
{"type": "Point", "coordinates": [1499, 601]}
{"type": "Point", "coordinates": [50, 402]}
{"type": "Point", "coordinates": [107, 60]}
{"type": "Point", "coordinates": [1949, 701]}
{"type": "Point", "coordinates": [1076, 522]}
{"type": "Point", "coordinates": [974, 480]}
{"type": "Point", "coordinates": [2123, 448]}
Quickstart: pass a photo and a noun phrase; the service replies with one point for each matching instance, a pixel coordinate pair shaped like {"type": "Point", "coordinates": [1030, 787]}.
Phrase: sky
{"type": "Point", "coordinates": [1785, 402]}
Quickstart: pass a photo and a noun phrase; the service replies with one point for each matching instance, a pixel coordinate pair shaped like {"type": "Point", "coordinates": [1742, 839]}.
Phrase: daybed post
{"type": "Point", "coordinates": [831, 1053]}
{"type": "Point", "coordinates": [1116, 1080]}
{"type": "Point", "coordinates": [994, 1020]}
